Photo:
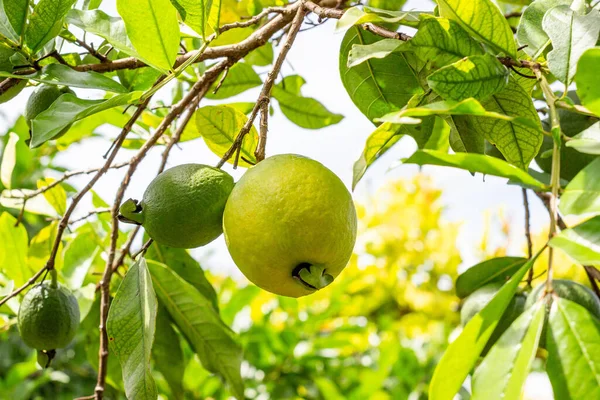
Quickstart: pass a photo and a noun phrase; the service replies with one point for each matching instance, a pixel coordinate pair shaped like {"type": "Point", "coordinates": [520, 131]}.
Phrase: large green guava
{"type": "Point", "coordinates": [48, 317]}
{"type": "Point", "coordinates": [480, 298]}
{"type": "Point", "coordinates": [290, 225]}
{"type": "Point", "coordinates": [183, 206]}
{"type": "Point", "coordinates": [41, 99]}
{"type": "Point", "coordinates": [565, 289]}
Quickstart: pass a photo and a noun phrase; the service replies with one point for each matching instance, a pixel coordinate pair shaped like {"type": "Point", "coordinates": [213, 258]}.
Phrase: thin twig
{"type": "Point", "coordinates": [264, 129]}
{"type": "Point", "coordinates": [30, 282]}
{"type": "Point", "coordinates": [92, 51]}
{"type": "Point", "coordinates": [528, 233]}
{"type": "Point", "coordinates": [198, 90]}
{"type": "Point", "coordinates": [265, 93]}
{"type": "Point", "coordinates": [143, 250]}
{"type": "Point", "coordinates": [177, 135]}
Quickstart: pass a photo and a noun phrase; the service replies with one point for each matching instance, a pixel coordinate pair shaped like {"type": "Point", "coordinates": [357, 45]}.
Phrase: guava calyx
{"type": "Point", "coordinates": [313, 277]}
{"type": "Point", "coordinates": [130, 212]}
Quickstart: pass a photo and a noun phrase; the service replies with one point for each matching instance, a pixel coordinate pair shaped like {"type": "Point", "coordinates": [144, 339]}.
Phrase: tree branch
{"type": "Point", "coordinates": [265, 93]}
{"type": "Point", "coordinates": [528, 232]}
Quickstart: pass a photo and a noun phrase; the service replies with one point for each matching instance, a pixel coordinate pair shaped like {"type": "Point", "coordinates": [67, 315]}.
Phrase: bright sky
{"type": "Point", "coordinates": [315, 56]}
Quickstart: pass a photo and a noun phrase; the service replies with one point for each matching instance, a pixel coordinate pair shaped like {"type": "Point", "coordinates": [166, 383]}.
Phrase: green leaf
{"type": "Point", "coordinates": [530, 32]}
{"type": "Point", "coordinates": [582, 194]}
{"type": "Point", "coordinates": [476, 163]}
{"type": "Point", "coordinates": [153, 29]}
{"type": "Point", "coordinates": [588, 89]}
{"type": "Point", "coordinates": [195, 317]}
{"type": "Point", "coordinates": [383, 138]}
{"type": "Point", "coordinates": [184, 265]}
{"type": "Point", "coordinates": [498, 269]}
{"type": "Point", "coordinates": [68, 109]}
{"type": "Point", "coordinates": [462, 354]}
{"type": "Point", "coordinates": [57, 197]}
{"type": "Point", "coordinates": [130, 327]}
{"type": "Point", "coordinates": [303, 111]}
{"type": "Point", "coordinates": [36, 205]}
{"type": "Point", "coordinates": [484, 20]}
{"type": "Point", "coordinates": [469, 107]}
{"type": "Point", "coordinates": [262, 56]}
{"type": "Point", "coordinates": [377, 86]}
{"type": "Point", "coordinates": [581, 242]}
{"type": "Point", "coordinates": [168, 355]}
{"type": "Point", "coordinates": [13, 15]}
{"type": "Point", "coordinates": [587, 141]}
{"type": "Point", "coordinates": [111, 29]}
{"type": "Point", "coordinates": [220, 125]}
{"type": "Point", "coordinates": [573, 351]}
{"type": "Point", "coordinates": [13, 250]}
{"type": "Point", "coordinates": [473, 76]}
{"type": "Point", "coordinates": [463, 138]}
{"type": "Point", "coordinates": [240, 78]}
{"type": "Point", "coordinates": [360, 53]}
{"type": "Point", "coordinates": [199, 14]}
{"type": "Point", "coordinates": [58, 74]}
{"type": "Point", "coordinates": [9, 160]}
{"type": "Point", "coordinates": [571, 35]}
{"type": "Point", "coordinates": [505, 368]}
{"type": "Point", "coordinates": [442, 41]}
{"type": "Point", "coordinates": [45, 23]}
{"type": "Point", "coordinates": [356, 16]}
{"type": "Point", "coordinates": [78, 258]}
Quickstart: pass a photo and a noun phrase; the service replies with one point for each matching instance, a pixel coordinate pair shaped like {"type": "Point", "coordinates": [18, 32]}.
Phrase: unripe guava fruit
{"type": "Point", "coordinates": [48, 317]}
{"type": "Point", "coordinates": [565, 289]}
{"type": "Point", "coordinates": [183, 206]}
{"type": "Point", "coordinates": [290, 225]}
{"type": "Point", "coordinates": [41, 99]}
{"type": "Point", "coordinates": [480, 298]}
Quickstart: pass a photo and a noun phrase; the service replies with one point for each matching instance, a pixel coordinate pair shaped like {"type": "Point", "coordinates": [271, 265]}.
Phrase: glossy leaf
{"type": "Point", "coordinates": [79, 256]}
{"type": "Point", "coordinates": [56, 196]}
{"type": "Point", "coordinates": [111, 29]}
{"type": "Point", "coordinates": [262, 56]}
{"type": "Point", "coordinates": [68, 109]}
{"type": "Point", "coordinates": [473, 76]}
{"type": "Point", "coordinates": [168, 355]}
{"type": "Point", "coordinates": [240, 78]}
{"type": "Point", "coordinates": [36, 205]}
{"type": "Point", "coordinates": [582, 194]}
{"type": "Point", "coordinates": [197, 14]}
{"type": "Point", "coordinates": [462, 354]}
{"type": "Point", "coordinates": [58, 74]}
{"type": "Point", "coordinates": [357, 16]}
{"type": "Point", "coordinates": [505, 368]}
{"type": "Point", "coordinates": [442, 41]}
{"type": "Point", "coordinates": [586, 79]}
{"type": "Point", "coordinates": [573, 351]}
{"type": "Point", "coordinates": [194, 315]}
{"type": "Point", "coordinates": [13, 15]}
{"type": "Point", "coordinates": [476, 163]}
{"type": "Point", "coordinates": [498, 269]}
{"type": "Point", "coordinates": [220, 125]}
{"type": "Point", "coordinates": [9, 160]}
{"type": "Point", "coordinates": [463, 138]}
{"type": "Point", "coordinates": [581, 242]}
{"type": "Point", "coordinates": [571, 35]}
{"type": "Point", "coordinates": [587, 141]}
{"type": "Point", "coordinates": [13, 257]}
{"type": "Point", "coordinates": [153, 29]}
{"type": "Point", "coordinates": [484, 20]}
{"type": "Point", "coordinates": [303, 111]}
{"type": "Point", "coordinates": [184, 265]}
{"type": "Point", "coordinates": [45, 22]}
{"type": "Point", "coordinates": [360, 53]}
{"type": "Point", "coordinates": [530, 32]}
{"type": "Point", "coordinates": [377, 86]}
{"type": "Point", "coordinates": [130, 327]}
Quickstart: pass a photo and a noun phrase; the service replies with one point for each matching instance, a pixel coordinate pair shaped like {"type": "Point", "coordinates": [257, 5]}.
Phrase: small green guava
{"type": "Point", "coordinates": [183, 206]}
{"type": "Point", "coordinates": [41, 99]}
{"type": "Point", "coordinates": [13, 91]}
{"type": "Point", "coordinates": [48, 317]}
{"type": "Point", "coordinates": [290, 225]}
{"type": "Point", "coordinates": [480, 298]}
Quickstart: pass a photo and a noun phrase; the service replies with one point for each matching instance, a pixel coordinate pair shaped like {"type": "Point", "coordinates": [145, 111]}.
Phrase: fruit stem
{"type": "Point", "coordinates": [54, 278]}
{"type": "Point", "coordinates": [312, 276]}
{"type": "Point", "coordinates": [130, 212]}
